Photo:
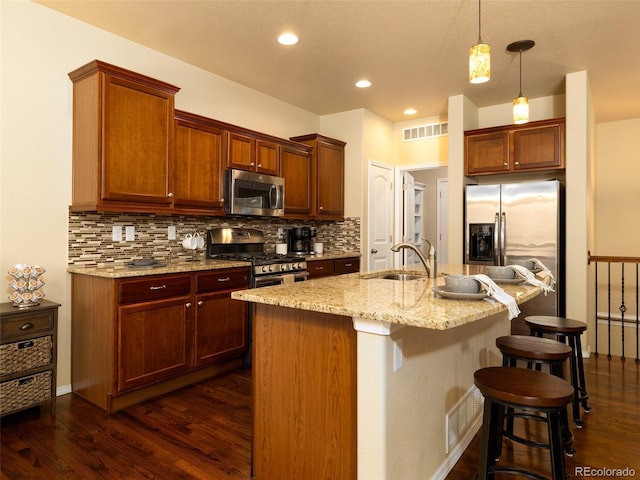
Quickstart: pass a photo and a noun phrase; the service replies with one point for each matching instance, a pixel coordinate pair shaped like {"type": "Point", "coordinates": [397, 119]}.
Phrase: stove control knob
{"type": "Point", "coordinates": [284, 267]}
{"type": "Point", "coordinates": [264, 269]}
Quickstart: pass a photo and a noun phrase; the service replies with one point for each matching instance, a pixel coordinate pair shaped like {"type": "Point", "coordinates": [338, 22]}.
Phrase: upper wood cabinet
{"type": "Point", "coordinates": [122, 139]}
{"type": "Point", "coordinates": [327, 176]}
{"type": "Point", "coordinates": [200, 149]}
{"type": "Point", "coordinates": [247, 152]}
{"type": "Point", "coordinates": [296, 170]}
{"type": "Point", "coordinates": [535, 146]}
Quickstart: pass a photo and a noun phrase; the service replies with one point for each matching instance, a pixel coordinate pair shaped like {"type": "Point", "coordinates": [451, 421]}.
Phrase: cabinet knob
{"type": "Point", "coordinates": [252, 164]}
{"type": "Point", "coordinates": [188, 304]}
{"type": "Point", "coordinates": [517, 163]}
{"type": "Point", "coordinates": [200, 303]}
{"type": "Point", "coordinates": [259, 165]}
{"type": "Point", "coordinates": [505, 164]}
{"type": "Point", "coordinates": [170, 195]}
{"type": "Point", "coordinates": [222, 200]}
{"type": "Point", "coordinates": [321, 208]}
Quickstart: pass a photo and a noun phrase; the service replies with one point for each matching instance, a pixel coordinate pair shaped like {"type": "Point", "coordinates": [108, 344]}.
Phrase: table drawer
{"type": "Point", "coordinates": [222, 280]}
{"type": "Point", "coordinates": [153, 288]}
{"type": "Point", "coordinates": [26, 354]}
{"type": "Point", "coordinates": [27, 323]}
{"type": "Point", "coordinates": [25, 391]}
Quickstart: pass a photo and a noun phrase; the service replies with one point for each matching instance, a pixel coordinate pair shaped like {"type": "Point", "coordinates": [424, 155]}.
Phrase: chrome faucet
{"type": "Point", "coordinates": [429, 265]}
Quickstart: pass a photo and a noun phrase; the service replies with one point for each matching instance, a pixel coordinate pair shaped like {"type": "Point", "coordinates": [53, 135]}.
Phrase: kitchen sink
{"type": "Point", "coordinates": [403, 277]}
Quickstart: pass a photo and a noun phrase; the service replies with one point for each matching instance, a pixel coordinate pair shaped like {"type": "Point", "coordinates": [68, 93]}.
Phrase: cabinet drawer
{"type": "Point", "coordinates": [222, 280]}
{"type": "Point", "coordinates": [28, 324]}
{"type": "Point", "coordinates": [347, 265]}
{"type": "Point", "coordinates": [318, 268]}
{"type": "Point", "coordinates": [26, 354]}
{"type": "Point", "coordinates": [26, 391]}
{"type": "Point", "coordinates": [152, 288]}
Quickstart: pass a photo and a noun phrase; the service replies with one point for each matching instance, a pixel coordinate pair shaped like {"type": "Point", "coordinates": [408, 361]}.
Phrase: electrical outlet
{"type": "Point", "coordinates": [171, 232]}
{"type": "Point", "coordinates": [130, 233]}
{"type": "Point", "coordinates": [397, 355]}
{"type": "Point", "coordinates": [116, 234]}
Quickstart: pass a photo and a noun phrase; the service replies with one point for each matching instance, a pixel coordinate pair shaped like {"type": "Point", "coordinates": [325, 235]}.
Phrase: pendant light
{"type": "Point", "coordinates": [520, 104]}
{"type": "Point", "coordinates": [479, 57]}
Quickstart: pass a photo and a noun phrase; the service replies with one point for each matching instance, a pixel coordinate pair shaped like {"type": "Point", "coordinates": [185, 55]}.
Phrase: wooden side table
{"type": "Point", "coordinates": [28, 351]}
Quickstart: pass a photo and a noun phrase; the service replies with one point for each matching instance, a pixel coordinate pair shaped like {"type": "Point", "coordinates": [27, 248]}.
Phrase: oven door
{"type": "Point", "coordinates": [269, 280]}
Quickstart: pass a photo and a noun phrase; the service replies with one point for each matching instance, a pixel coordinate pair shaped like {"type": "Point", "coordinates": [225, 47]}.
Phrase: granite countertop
{"type": "Point", "coordinates": [411, 303]}
{"type": "Point", "coordinates": [120, 270]}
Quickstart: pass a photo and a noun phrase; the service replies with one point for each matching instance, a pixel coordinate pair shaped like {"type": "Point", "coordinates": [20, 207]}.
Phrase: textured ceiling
{"type": "Point", "coordinates": [414, 52]}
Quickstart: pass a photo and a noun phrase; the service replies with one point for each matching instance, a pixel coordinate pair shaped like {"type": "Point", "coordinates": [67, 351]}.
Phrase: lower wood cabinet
{"type": "Point", "coordinates": [135, 338]}
{"type": "Point", "coordinates": [329, 267]}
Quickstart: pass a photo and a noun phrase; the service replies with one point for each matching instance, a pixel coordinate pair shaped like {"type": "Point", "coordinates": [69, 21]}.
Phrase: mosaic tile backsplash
{"type": "Point", "coordinates": [91, 244]}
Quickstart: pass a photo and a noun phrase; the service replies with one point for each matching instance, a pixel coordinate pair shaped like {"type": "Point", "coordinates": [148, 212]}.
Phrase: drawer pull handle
{"type": "Point", "coordinates": [26, 326]}
{"type": "Point", "coordinates": [157, 287]}
{"type": "Point", "coordinates": [225, 279]}
{"type": "Point", "coordinates": [348, 264]}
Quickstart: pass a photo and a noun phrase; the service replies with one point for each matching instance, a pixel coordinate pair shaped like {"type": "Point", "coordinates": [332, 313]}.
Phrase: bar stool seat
{"type": "Point", "coordinates": [540, 392]}
{"type": "Point", "coordinates": [566, 330]}
{"type": "Point", "coordinates": [536, 352]}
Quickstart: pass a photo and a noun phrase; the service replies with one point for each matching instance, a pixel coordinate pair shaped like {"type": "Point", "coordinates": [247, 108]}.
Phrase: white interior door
{"type": "Point", "coordinates": [443, 220]}
{"type": "Point", "coordinates": [380, 218]}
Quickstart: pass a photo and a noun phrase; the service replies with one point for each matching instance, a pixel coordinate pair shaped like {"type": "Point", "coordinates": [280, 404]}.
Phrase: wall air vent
{"type": "Point", "coordinates": [425, 131]}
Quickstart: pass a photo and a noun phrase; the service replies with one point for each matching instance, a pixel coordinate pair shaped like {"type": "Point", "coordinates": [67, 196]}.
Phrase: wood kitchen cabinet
{"type": "Point", "coordinates": [536, 146]}
{"type": "Point", "coordinates": [297, 172]}
{"type": "Point", "coordinates": [200, 153]}
{"type": "Point", "coordinates": [221, 323]}
{"type": "Point", "coordinates": [327, 176]}
{"type": "Point", "coordinates": [330, 267]}
{"type": "Point", "coordinates": [134, 338]}
{"type": "Point", "coordinates": [122, 140]}
{"type": "Point", "coordinates": [247, 152]}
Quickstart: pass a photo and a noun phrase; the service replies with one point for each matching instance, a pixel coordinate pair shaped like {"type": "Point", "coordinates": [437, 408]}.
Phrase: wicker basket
{"type": "Point", "coordinates": [25, 355]}
{"type": "Point", "coordinates": [25, 391]}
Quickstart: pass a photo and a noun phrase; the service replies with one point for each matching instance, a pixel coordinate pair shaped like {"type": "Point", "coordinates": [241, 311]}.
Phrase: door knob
{"type": "Point", "coordinates": [373, 250]}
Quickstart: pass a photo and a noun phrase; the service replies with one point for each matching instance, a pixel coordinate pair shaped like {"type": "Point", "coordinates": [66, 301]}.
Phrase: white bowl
{"type": "Point", "coordinates": [461, 284]}
{"type": "Point", "coordinates": [500, 272]}
{"type": "Point", "coordinates": [524, 263]}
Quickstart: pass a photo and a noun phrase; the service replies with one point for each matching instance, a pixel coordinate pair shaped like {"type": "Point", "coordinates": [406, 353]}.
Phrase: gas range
{"type": "Point", "coordinates": [242, 244]}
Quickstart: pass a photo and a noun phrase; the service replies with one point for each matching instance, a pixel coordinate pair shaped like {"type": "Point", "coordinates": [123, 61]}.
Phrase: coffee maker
{"type": "Point", "coordinates": [300, 240]}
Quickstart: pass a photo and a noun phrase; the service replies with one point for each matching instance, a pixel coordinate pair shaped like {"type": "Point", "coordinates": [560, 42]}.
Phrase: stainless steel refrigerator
{"type": "Point", "coordinates": [518, 221]}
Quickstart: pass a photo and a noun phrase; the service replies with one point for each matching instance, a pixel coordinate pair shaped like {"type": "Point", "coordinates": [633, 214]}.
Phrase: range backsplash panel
{"type": "Point", "coordinates": [91, 244]}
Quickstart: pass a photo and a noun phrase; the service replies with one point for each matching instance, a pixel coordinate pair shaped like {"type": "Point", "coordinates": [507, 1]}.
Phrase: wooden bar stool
{"type": "Point", "coordinates": [520, 388]}
{"type": "Point", "coordinates": [568, 331]}
{"type": "Point", "coordinates": [536, 352]}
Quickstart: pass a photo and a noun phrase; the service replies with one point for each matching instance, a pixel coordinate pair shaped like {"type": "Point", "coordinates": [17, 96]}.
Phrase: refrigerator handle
{"type": "Point", "coordinates": [503, 240]}
{"type": "Point", "coordinates": [497, 251]}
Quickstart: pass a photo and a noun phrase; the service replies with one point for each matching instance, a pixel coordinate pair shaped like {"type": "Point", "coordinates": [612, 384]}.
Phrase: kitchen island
{"type": "Point", "coordinates": [357, 377]}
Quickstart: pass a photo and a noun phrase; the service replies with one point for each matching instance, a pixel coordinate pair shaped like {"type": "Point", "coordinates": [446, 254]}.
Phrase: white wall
{"type": "Point", "coordinates": [38, 48]}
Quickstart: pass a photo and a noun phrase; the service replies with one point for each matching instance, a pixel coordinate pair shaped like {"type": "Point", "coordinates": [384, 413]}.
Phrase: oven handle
{"type": "Point", "coordinates": [298, 277]}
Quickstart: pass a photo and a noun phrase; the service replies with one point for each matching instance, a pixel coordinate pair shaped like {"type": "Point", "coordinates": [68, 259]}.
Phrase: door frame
{"type": "Point", "coordinates": [397, 229]}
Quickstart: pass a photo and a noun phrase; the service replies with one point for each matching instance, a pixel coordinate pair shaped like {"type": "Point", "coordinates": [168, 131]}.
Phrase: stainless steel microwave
{"type": "Point", "coordinates": [248, 193]}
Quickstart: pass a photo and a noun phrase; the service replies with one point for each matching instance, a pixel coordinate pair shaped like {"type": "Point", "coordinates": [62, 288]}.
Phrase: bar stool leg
{"type": "Point", "coordinates": [490, 429]}
{"type": "Point", "coordinates": [555, 446]}
{"type": "Point", "coordinates": [567, 437]}
{"type": "Point", "coordinates": [583, 390]}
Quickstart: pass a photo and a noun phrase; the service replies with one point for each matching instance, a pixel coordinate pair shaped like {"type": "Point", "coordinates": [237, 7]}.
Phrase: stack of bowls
{"type": "Point", "coordinates": [461, 284]}
{"type": "Point", "coordinates": [501, 273]}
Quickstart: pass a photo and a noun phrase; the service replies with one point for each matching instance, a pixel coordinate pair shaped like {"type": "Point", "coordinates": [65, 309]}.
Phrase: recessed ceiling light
{"type": "Point", "coordinates": [288, 39]}
{"type": "Point", "coordinates": [363, 83]}
{"type": "Point", "coordinates": [410, 111]}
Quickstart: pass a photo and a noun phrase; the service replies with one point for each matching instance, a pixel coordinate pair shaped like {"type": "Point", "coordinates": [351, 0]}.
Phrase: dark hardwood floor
{"type": "Point", "coordinates": [204, 432]}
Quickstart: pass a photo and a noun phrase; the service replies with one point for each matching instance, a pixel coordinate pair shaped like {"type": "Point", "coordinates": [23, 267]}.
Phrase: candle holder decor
{"type": "Point", "coordinates": [25, 285]}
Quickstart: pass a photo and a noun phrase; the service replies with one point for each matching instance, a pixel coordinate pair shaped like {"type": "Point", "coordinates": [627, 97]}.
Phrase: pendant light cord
{"type": "Point", "coordinates": [479, 22]}
{"type": "Point", "coordinates": [520, 94]}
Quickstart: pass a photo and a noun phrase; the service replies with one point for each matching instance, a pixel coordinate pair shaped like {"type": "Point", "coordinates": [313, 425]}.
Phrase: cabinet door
{"type": "Point", "coordinates": [540, 147]}
{"type": "Point", "coordinates": [153, 341]}
{"type": "Point", "coordinates": [137, 140]}
{"type": "Point", "coordinates": [296, 170]}
{"type": "Point", "coordinates": [487, 153]}
{"type": "Point", "coordinates": [330, 180]}
{"type": "Point", "coordinates": [221, 327]}
{"type": "Point", "coordinates": [267, 157]}
{"type": "Point", "coordinates": [241, 152]}
{"type": "Point", "coordinates": [198, 179]}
